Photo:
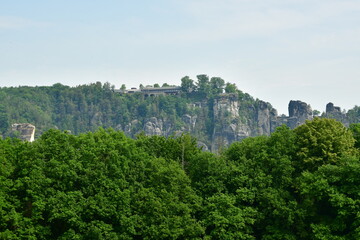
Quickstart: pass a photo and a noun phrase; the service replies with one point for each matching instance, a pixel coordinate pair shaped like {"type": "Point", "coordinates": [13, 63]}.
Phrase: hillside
{"type": "Point", "coordinates": [216, 113]}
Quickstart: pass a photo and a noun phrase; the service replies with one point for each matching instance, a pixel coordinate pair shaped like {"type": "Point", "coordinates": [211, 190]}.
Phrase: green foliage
{"type": "Point", "coordinates": [262, 178]}
{"type": "Point", "coordinates": [224, 220]}
{"type": "Point", "coordinates": [330, 197]}
{"type": "Point", "coordinates": [4, 120]}
{"type": "Point", "coordinates": [187, 84]}
{"type": "Point", "coordinates": [217, 85]}
{"type": "Point", "coordinates": [230, 88]}
{"type": "Point", "coordinates": [316, 113]}
{"type": "Point", "coordinates": [355, 129]}
{"type": "Point", "coordinates": [294, 184]}
{"type": "Point", "coordinates": [354, 114]}
{"type": "Point", "coordinates": [97, 185]}
{"type": "Point", "coordinates": [86, 107]}
{"type": "Point", "coordinates": [203, 85]}
{"type": "Point", "coordinates": [105, 185]}
{"type": "Point", "coordinates": [322, 141]}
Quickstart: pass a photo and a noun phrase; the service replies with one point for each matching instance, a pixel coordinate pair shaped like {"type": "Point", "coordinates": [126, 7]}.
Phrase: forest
{"type": "Point", "coordinates": [87, 107]}
{"type": "Point", "coordinates": [214, 112]}
{"type": "Point", "coordinates": [301, 183]}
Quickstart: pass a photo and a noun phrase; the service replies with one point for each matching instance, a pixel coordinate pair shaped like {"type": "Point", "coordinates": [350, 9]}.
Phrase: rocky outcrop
{"type": "Point", "coordinates": [299, 112]}
{"type": "Point", "coordinates": [154, 126]}
{"type": "Point", "coordinates": [132, 128]}
{"type": "Point", "coordinates": [219, 123]}
{"type": "Point", "coordinates": [336, 113]}
{"type": "Point", "coordinates": [261, 119]}
{"type": "Point", "coordinates": [226, 104]}
{"type": "Point", "coordinates": [190, 122]}
{"type": "Point", "coordinates": [226, 119]}
{"type": "Point", "coordinates": [227, 126]}
{"type": "Point", "coordinates": [266, 118]}
{"type": "Point", "coordinates": [331, 109]}
{"type": "Point", "coordinates": [24, 131]}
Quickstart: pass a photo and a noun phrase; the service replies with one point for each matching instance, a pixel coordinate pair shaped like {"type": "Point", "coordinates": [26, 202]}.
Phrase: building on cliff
{"type": "Point", "coordinates": [153, 91]}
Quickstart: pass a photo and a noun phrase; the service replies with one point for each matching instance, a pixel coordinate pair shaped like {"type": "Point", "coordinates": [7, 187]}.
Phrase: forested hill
{"type": "Point", "coordinates": [298, 180]}
{"type": "Point", "coordinates": [216, 113]}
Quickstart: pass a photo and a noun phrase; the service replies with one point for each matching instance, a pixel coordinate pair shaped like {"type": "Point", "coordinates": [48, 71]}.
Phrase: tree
{"type": "Point", "coordinates": [355, 129]}
{"type": "Point", "coordinates": [224, 220]}
{"type": "Point", "coordinates": [123, 87]}
{"type": "Point", "coordinates": [217, 85]}
{"type": "Point", "coordinates": [261, 177]}
{"type": "Point", "coordinates": [4, 119]}
{"type": "Point", "coordinates": [203, 84]}
{"type": "Point", "coordinates": [322, 141]}
{"type": "Point", "coordinates": [316, 113]}
{"type": "Point", "coordinates": [165, 85]}
{"type": "Point", "coordinates": [230, 88]}
{"type": "Point", "coordinates": [330, 201]}
{"type": "Point", "coordinates": [187, 84]}
{"type": "Point", "coordinates": [354, 114]}
{"type": "Point", "coordinates": [142, 109]}
{"type": "Point", "coordinates": [156, 85]}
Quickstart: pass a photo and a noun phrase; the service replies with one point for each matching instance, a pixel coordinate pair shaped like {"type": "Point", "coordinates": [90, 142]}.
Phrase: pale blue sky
{"type": "Point", "coordinates": [276, 50]}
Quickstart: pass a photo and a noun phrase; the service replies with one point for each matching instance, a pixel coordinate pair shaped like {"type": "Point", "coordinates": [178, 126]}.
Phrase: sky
{"type": "Point", "coordinates": [275, 50]}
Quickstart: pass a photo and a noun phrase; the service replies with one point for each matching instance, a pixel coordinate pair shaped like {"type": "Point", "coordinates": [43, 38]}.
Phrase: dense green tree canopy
{"type": "Point", "coordinates": [294, 184]}
{"type": "Point", "coordinates": [323, 141]}
{"type": "Point", "coordinates": [230, 88]}
{"type": "Point", "coordinates": [355, 129]}
{"type": "Point", "coordinates": [101, 184]}
{"type": "Point", "coordinates": [187, 84]}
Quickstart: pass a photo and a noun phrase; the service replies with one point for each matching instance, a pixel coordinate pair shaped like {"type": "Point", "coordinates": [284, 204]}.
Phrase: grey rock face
{"type": "Point", "coordinates": [336, 113]}
{"type": "Point", "coordinates": [266, 119]}
{"type": "Point", "coordinates": [227, 125]}
{"type": "Point", "coordinates": [228, 105]}
{"type": "Point", "coordinates": [330, 108]}
{"type": "Point", "coordinates": [153, 126]}
{"type": "Point", "coordinates": [132, 127]}
{"type": "Point", "coordinates": [158, 126]}
{"type": "Point", "coordinates": [299, 112]}
{"type": "Point", "coordinates": [190, 121]}
{"type": "Point", "coordinates": [26, 131]}
{"type": "Point", "coordinates": [231, 121]}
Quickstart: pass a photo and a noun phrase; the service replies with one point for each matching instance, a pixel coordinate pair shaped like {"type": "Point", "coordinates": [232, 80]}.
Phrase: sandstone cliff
{"type": "Point", "coordinates": [214, 118]}
{"type": "Point", "coordinates": [222, 121]}
{"type": "Point", "coordinates": [336, 113]}
{"type": "Point", "coordinates": [24, 131]}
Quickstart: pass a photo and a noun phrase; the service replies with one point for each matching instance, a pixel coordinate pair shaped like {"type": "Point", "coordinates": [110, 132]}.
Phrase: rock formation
{"type": "Point", "coordinates": [154, 126]}
{"type": "Point", "coordinates": [266, 118]}
{"type": "Point", "coordinates": [224, 121]}
{"type": "Point", "coordinates": [26, 131]}
{"type": "Point", "coordinates": [227, 126]}
{"type": "Point", "coordinates": [190, 122]}
{"type": "Point", "coordinates": [336, 113]}
{"type": "Point", "coordinates": [216, 124]}
{"type": "Point", "coordinates": [299, 112]}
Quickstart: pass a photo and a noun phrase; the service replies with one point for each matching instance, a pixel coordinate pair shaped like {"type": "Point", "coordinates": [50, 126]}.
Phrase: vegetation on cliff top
{"type": "Point", "coordinates": [87, 107]}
